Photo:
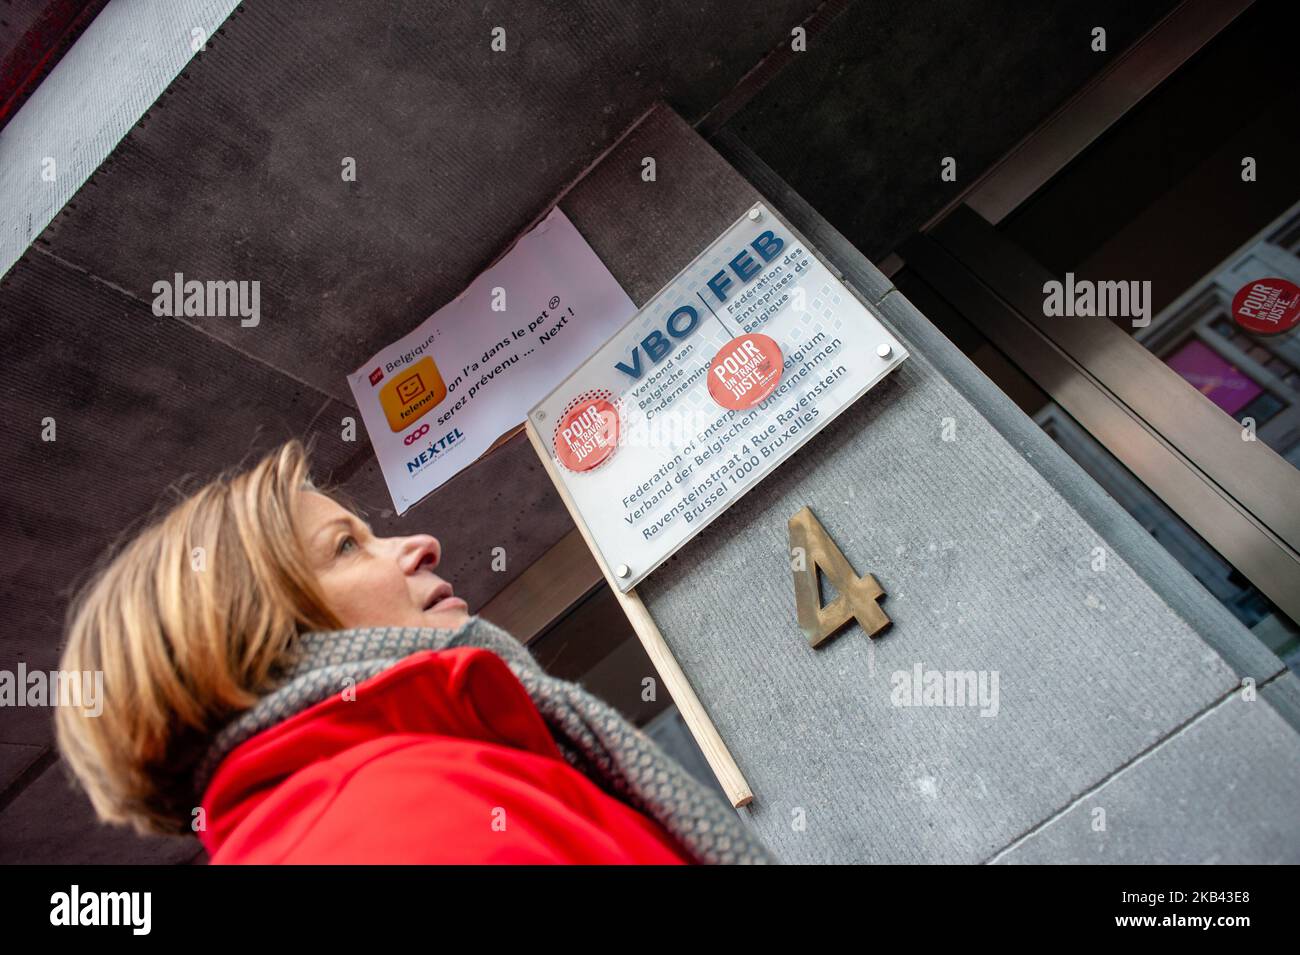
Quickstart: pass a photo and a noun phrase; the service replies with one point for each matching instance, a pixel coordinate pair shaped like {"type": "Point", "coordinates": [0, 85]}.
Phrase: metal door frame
{"type": "Point", "coordinates": [1239, 496]}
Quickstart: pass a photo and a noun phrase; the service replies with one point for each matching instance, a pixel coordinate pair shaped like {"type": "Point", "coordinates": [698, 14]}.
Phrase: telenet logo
{"type": "Point", "coordinates": [412, 394]}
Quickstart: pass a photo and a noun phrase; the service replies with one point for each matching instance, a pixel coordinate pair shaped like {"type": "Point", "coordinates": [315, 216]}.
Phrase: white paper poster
{"type": "Point", "coordinates": [437, 398]}
{"type": "Point", "coordinates": [751, 350]}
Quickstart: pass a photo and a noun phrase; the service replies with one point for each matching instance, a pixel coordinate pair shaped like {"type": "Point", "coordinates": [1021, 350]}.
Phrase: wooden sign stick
{"type": "Point", "coordinates": [701, 727]}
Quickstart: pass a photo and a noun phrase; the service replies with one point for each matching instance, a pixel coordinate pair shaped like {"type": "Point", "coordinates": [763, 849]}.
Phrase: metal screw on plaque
{"type": "Point", "coordinates": [541, 416]}
{"type": "Point", "coordinates": [883, 350]}
{"type": "Point", "coordinates": [622, 570]}
{"type": "Point", "coordinates": [755, 214]}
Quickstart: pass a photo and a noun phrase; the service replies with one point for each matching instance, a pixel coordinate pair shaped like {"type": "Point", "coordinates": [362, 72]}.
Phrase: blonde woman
{"type": "Point", "coordinates": [294, 689]}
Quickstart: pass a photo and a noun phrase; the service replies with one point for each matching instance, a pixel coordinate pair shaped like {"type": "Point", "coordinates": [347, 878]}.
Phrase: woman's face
{"type": "Point", "coordinates": [371, 581]}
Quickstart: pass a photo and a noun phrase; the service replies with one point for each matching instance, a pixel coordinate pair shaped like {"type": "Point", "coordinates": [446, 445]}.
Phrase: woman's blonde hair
{"type": "Point", "coordinates": [187, 622]}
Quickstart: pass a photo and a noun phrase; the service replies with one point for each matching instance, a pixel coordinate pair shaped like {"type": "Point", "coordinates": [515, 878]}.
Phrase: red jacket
{"type": "Point", "coordinates": [443, 758]}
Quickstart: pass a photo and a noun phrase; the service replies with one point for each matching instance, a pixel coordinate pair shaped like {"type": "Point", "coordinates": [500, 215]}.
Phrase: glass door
{"type": "Point", "coordinates": [1142, 306]}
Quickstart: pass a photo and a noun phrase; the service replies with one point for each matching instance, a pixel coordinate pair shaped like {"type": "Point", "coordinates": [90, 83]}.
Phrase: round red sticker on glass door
{"type": "Point", "coordinates": [745, 371]}
{"type": "Point", "coordinates": [1267, 306]}
{"type": "Point", "coordinates": [587, 433]}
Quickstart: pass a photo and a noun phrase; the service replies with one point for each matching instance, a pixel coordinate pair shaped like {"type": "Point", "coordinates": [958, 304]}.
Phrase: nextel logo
{"type": "Point", "coordinates": [435, 448]}
{"type": "Point", "coordinates": [686, 319]}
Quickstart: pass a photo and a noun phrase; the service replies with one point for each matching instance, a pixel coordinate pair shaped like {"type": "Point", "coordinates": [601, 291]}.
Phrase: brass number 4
{"type": "Point", "coordinates": [857, 595]}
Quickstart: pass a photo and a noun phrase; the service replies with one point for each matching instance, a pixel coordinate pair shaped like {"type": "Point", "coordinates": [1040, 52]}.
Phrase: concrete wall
{"type": "Point", "coordinates": [1119, 689]}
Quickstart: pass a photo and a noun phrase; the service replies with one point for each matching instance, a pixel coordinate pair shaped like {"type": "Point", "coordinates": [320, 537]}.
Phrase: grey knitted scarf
{"type": "Point", "coordinates": [590, 734]}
